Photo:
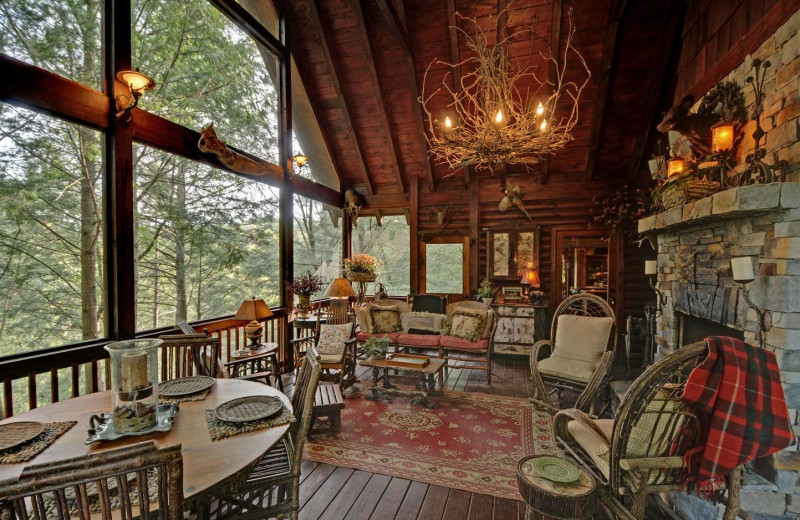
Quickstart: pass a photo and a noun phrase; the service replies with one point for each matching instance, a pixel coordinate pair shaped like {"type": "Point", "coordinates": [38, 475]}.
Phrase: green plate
{"type": "Point", "coordinates": [555, 469]}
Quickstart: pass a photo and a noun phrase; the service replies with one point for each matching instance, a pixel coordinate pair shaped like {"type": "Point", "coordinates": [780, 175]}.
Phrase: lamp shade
{"type": "Point", "coordinates": [135, 80]}
{"type": "Point", "coordinates": [722, 137]}
{"type": "Point", "coordinates": [339, 288]}
{"type": "Point", "coordinates": [675, 167]}
{"type": "Point", "coordinates": [650, 267]}
{"type": "Point", "coordinates": [253, 310]}
{"type": "Point", "coordinates": [533, 277]}
{"type": "Point", "coordinates": [742, 267]}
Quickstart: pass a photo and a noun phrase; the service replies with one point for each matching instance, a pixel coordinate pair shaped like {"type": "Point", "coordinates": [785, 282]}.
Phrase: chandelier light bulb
{"type": "Point", "coordinates": [540, 109]}
{"type": "Point", "coordinates": [498, 118]}
{"type": "Point", "coordinates": [543, 125]}
{"type": "Point", "coordinates": [447, 123]}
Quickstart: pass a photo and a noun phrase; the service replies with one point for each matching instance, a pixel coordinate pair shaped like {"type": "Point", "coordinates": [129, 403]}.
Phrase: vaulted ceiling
{"type": "Point", "coordinates": [363, 62]}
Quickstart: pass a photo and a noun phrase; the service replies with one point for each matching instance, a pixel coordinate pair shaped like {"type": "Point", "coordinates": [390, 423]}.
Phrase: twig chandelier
{"type": "Point", "coordinates": [492, 116]}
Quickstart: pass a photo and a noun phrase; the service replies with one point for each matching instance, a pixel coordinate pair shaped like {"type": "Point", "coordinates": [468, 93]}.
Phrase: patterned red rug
{"type": "Point", "coordinates": [470, 441]}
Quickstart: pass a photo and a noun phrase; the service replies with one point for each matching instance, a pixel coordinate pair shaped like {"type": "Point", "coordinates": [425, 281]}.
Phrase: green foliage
{"type": "Point", "coordinates": [390, 244]}
{"type": "Point", "coordinates": [486, 289]}
{"type": "Point", "coordinates": [376, 347]}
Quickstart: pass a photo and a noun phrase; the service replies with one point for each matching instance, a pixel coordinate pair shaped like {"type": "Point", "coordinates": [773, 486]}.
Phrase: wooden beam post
{"type": "Point", "coordinates": [474, 229]}
{"type": "Point", "coordinates": [413, 227]}
{"type": "Point", "coordinates": [286, 203]}
{"type": "Point", "coordinates": [616, 10]}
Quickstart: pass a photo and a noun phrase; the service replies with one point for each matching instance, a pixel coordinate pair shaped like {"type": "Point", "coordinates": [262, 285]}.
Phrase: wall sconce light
{"type": "Point", "coordinates": [675, 167]}
{"type": "Point", "coordinates": [658, 164]}
{"type": "Point", "coordinates": [742, 268]}
{"type": "Point", "coordinates": [722, 137]}
{"type": "Point", "coordinates": [297, 164]}
{"type": "Point", "coordinates": [137, 83]}
{"type": "Point", "coordinates": [651, 270]}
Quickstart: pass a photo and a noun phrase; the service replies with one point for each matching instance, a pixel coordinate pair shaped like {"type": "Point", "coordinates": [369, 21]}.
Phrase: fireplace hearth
{"type": "Point", "coordinates": [693, 329]}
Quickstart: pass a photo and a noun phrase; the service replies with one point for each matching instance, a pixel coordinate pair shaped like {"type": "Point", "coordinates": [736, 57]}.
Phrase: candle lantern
{"type": "Point", "coordinates": [675, 167]}
{"type": "Point", "coordinates": [721, 137]}
{"type": "Point", "coordinates": [134, 383]}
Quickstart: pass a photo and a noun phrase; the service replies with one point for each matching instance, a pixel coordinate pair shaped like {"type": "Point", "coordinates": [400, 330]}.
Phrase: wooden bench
{"type": "Point", "coordinates": [327, 414]}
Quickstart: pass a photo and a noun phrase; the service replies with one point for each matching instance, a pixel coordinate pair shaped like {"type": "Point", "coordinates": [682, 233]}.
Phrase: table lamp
{"type": "Point", "coordinates": [531, 279]}
{"type": "Point", "coordinates": [339, 288]}
{"type": "Point", "coordinates": [253, 310]}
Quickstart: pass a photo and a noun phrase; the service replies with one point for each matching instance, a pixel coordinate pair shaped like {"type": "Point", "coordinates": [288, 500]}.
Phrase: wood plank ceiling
{"type": "Point", "coordinates": [363, 62]}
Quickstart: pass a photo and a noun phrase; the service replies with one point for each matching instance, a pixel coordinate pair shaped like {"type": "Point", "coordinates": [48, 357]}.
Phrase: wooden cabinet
{"type": "Point", "coordinates": [512, 250]}
{"type": "Point", "coordinates": [519, 327]}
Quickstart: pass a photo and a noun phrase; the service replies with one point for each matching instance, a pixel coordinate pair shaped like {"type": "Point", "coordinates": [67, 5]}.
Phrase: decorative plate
{"type": "Point", "coordinates": [185, 386]}
{"type": "Point", "coordinates": [15, 433]}
{"type": "Point", "coordinates": [246, 409]}
{"type": "Point", "coordinates": [555, 469]}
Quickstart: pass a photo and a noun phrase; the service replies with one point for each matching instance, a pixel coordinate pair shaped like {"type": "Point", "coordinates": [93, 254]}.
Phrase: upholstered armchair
{"type": "Point", "coordinates": [578, 356]}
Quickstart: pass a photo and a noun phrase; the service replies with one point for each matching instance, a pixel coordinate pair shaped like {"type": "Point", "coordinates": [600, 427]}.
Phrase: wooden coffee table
{"type": "Point", "coordinates": [426, 387]}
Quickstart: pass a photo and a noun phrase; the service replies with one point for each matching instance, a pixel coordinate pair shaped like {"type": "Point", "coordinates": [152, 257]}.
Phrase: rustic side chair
{"type": "Point", "coordinates": [273, 487]}
{"type": "Point", "coordinates": [578, 356]}
{"type": "Point", "coordinates": [640, 451]}
{"type": "Point", "coordinates": [335, 341]}
{"type": "Point", "coordinates": [100, 485]}
{"type": "Point", "coordinates": [184, 355]}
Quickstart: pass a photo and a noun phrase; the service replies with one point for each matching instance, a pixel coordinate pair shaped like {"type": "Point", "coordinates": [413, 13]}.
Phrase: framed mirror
{"type": "Point", "coordinates": [512, 250]}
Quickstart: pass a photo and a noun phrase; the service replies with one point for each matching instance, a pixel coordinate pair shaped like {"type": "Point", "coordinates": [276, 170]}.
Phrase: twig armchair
{"type": "Point", "coordinates": [579, 355]}
{"type": "Point", "coordinates": [335, 342]}
{"type": "Point", "coordinates": [640, 452]}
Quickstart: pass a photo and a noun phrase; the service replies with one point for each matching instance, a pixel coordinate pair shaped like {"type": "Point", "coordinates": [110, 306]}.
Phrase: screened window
{"type": "Point", "coordinates": [445, 262]}
{"type": "Point", "coordinates": [317, 239]}
{"type": "Point", "coordinates": [205, 240]}
{"type": "Point", "coordinates": [63, 37]}
{"type": "Point", "coordinates": [389, 242]}
{"type": "Point", "coordinates": [51, 232]}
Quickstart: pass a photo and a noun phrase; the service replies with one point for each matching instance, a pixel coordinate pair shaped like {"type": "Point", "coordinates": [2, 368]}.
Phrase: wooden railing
{"type": "Point", "coordinates": [34, 379]}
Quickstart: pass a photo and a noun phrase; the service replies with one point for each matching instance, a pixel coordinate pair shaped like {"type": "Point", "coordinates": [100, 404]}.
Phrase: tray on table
{"type": "Point", "coordinates": [408, 360]}
{"type": "Point", "coordinates": [104, 429]}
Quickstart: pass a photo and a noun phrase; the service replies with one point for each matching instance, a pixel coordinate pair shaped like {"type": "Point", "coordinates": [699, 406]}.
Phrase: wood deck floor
{"type": "Point", "coordinates": [330, 492]}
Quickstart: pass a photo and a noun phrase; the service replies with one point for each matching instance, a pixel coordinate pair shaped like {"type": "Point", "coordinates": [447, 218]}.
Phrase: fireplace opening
{"type": "Point", "coordinates": [693, 329]}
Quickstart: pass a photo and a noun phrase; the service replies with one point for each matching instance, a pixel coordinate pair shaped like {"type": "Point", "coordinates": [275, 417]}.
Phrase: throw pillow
{"type": "Point", "coordinates": [467, 324]}
{"type": "Point", "coordinates": [422, 322]}
{"type": "Point", "coordinates": [332, 338]}
{"type": "Point", "coordinates": [384, 319]}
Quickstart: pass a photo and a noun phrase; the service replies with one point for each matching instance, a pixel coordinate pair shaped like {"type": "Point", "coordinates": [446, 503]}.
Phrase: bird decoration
{"type": "Point", "coordinates": [513, 197]}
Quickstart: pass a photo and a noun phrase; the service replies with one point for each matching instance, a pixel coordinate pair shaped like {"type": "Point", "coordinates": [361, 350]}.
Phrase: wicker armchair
{"type": "Point", "coordinates": [273, 487]}
{"type": "Point", "coordinates": [184, 355]}
{"type": "Point", "coordinates": [101, 485]}
{"type": "Point", "coordinates": [337, 351]}
{"type": "Point", "coordinates": [640, 452]}
{"type": "Point", "coordinates": [578, 356]}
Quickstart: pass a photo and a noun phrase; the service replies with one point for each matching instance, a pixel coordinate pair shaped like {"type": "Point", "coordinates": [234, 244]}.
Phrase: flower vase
{"type": "Point", "coordinates": [303, 305]}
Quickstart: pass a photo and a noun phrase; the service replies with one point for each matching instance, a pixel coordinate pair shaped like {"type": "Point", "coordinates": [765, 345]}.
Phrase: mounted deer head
{"type": "Point", "coordinates": [441, 215]}
{"type": "Point", "coordinates": [352, 205]}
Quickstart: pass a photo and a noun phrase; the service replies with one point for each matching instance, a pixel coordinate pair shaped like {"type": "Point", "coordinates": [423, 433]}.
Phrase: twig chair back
{"type": "Point", "coordinates": [100, 485]}
{"type": "Point", "coordinates": [337, 312]}
{"type": "Point", "coordinates": [184, 355]}
{"type": "Point", "coordinates": [586, 305]}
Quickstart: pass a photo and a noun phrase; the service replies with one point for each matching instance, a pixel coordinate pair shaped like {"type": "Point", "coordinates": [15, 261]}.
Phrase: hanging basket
{"type": "Point", "coordinates": [683, 193]}
{"type": "Point", "coordinates": [362, 277]}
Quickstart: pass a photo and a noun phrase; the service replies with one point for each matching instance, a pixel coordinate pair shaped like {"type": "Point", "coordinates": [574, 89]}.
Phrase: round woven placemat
{"type": "Point", "coordinates": [14, 434]}
{"type": "Point", "coordinates": [251, 408]}
{"type": "Point", "coordinates": [185, 386]}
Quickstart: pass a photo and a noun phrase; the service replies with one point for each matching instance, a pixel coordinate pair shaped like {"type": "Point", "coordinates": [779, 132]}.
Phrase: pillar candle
{"type": "Point", "coordinates": [651, 267]}
{"type": "Point", "coordinates": [133, 371]}
{"type": "Point", "coordinates": [742, 267]}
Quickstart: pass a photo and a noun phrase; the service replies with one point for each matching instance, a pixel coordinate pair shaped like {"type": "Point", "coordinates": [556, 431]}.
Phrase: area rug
{"type": "Point", "coordinates": [470, 441]}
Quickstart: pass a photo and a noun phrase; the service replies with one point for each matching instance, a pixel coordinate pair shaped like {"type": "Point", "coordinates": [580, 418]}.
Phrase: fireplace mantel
{"type": "Point", "coordinates": [726, 205]}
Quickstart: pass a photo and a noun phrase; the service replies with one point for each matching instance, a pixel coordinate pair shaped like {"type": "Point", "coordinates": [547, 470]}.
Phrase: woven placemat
{"type": "Point", "coordinates": [222, 430]}
{"type": "Point", "coordinates": [27, 451]}
{"type": "Point", "coordinates": [199, 396]}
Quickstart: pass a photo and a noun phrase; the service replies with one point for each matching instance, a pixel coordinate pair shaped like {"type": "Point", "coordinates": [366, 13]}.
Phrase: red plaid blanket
{"type": "Point", "coordinates": [738, 387]}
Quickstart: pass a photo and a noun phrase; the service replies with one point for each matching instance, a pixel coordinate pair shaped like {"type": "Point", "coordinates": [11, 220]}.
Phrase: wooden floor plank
{"type": "Point", "coordinates": [391, 500]}
{"type": "Point", "coordinates": [481, 507]}
{"type": "Point", "coordinates": [319, 501]}
{"type": "Point", "coordinates": [370, 496]}
{"type": "Point", "coordinates": [434, 503]}
{"type": "Point", "coordinates": [457, 507]}
{"type": "Point", "coordinates": [306, 468]}
{"type": "Point", "coordinates": [340, 506]}
{"type": "Point", "coordinates": [314, 481]}
{"type": "Point", "coordinates": [412, 503]}
{"type": "Point", "coordinates": [505, 509]}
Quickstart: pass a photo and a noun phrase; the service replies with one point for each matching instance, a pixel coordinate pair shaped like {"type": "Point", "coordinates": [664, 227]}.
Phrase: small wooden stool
{"type": "Point", "coordinates": [326, 416]}
{"type": "Point", "coordinates": [546, 498]}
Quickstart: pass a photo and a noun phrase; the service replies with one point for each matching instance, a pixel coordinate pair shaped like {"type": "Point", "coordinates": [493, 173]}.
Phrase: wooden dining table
{"type": "Point", "coordinates": [207, 464]}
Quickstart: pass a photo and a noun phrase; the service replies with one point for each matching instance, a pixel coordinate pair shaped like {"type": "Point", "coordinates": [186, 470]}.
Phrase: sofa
{"type": "Point", "coordinates": [464, 333]}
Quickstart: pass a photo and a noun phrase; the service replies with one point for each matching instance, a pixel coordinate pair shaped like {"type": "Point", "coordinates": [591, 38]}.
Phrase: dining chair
{"type": "Point", "coordinates": [273, 487]}
{"type": "Point", "coordinates": [101, 485]}
{"type": "Point", "coordinates": [335, 341]}
{"type": "Point", "coordinates": [184, 355]}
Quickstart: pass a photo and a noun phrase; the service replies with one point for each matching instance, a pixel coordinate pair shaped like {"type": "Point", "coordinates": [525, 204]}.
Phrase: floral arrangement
{"type": "Point", "coordinates": [362, 263]}
{"type": "Point", "coordinates": [486, 289]}
{"type": "Point", "coordinates": [305, 285]}
{"type": "Point", "coordinates": [376, 347]}
{"type": "Point", "coordinates": [620, 212]}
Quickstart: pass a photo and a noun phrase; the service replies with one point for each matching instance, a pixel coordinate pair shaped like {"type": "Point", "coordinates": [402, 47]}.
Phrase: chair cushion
{"type": "Point", "coordinates": [331, 359]}
{"type": "Point", "coordinates": [467, 324]}
{"type": "Point", "coordinates": [563, 368]}
{"type": "Point", "coordinates": [592, 442]}
{"type": "Point", "coordinates": [332, 338]}
{"type": "Point", "coordinates": [463, 344]}
{"type": "Point", "coordinates": [584, 338]}
{"type": "Point", "coordinates": [418, 340]}
{"type": "Point", "coordinates": [364, 336]}
{"type": "Point", "coordinates": [422, 322]}
{"type": "Point", "coordinates": [362, 317]}
{"type": "Point", "coordinates": [384, 319]}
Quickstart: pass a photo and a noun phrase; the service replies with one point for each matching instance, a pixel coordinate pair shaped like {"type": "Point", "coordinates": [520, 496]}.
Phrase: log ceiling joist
{"type": "Point", "coordinates": [334, 72]}
{"type": "Point", "coordinates": [395, 24]}
{"type": "Point", "coordinates": [385, 116]}
{"type": "Point", "coordinates": [616, 10]}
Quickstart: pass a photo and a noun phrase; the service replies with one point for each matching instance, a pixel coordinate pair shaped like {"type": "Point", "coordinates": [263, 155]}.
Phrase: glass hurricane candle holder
{"type": "Point", "coordinates": [134, 383]}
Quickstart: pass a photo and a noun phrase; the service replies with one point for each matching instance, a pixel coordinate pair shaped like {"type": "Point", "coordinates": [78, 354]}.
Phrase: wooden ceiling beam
{"type": "Point", "coordinates": [334, 70]}
{"type": "Point", "coordinates": [455, 57]}
{"type": "Point", "coordinates": [385, 116]}
{"type": "Point", "coordinates": [615, 12]}
{"type": "Point", "coordinates": [555, 47]}
{"type": "Point", "coordinates": [395, 23]}
{"type": "Point", "coordinates": [667, 58]}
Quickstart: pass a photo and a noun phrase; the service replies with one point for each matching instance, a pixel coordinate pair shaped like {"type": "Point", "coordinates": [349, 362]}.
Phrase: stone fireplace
{"type": "Point", "coordinates": [695, 243]}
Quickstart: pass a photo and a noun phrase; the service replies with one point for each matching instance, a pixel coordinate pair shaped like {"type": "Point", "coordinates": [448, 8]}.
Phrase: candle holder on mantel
{"type": "Point", "coordinates": [652, 313]}
{"type": "Point", "coordinates": [134, 384]}
{"type": "Point", "coordinates": [742, 268]}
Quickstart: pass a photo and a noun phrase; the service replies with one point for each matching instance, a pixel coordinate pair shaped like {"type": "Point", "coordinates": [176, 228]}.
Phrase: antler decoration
{"type": "Point", "coordinates": [352, 205]}
{"type": "Point", "coordinates": [513, 197]}
{"type": "Point", "coordinates": [441, 215]}
{"type": "Point", "coordinates": [495, 121]}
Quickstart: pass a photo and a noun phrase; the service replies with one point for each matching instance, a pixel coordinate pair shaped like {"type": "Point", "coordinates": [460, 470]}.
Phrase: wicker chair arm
{"type": "Point", "coordinates": [539, 351]}
{"type": "Point", "coordinates": [651, 463]}
{"type": "Point", "coordinates": [588, 395]}
{"type": "Point", "coordinates": [564, 417]}
{"type": "Point", "coordinates": [300, 341]}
